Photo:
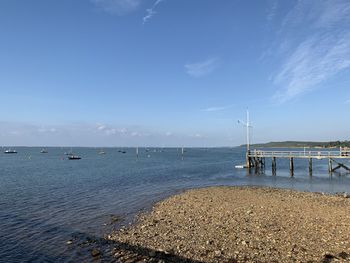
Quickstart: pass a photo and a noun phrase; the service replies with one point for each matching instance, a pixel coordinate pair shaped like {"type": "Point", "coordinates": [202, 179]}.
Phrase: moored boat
{"type": "Point", "coordinates": [74, 157]}
{"type": "Point", "coordinates": [10, 151]}
{"type": "Point", "coordinates": [241, 166]}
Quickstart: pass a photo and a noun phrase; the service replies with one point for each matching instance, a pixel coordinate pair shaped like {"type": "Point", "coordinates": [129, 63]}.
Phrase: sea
{"type": "Point", "coordinates": [56, 210]}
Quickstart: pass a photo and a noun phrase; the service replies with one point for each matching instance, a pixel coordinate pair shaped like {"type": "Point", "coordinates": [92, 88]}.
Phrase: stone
{"type": "Point", "coordinates": [152, 253]}
{"type": "Point", "coordinates": [95, 252]}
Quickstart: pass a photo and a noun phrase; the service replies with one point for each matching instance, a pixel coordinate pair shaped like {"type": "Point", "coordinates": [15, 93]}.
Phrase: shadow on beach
{"type": "Point", "coordinates": [106, 250]}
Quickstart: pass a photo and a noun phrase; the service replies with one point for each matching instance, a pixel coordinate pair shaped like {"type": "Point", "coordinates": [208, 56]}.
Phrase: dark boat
{"type": "Point", "coordinates": [10, 151]}
{"type": "Point", "coordinates": [73, 157]}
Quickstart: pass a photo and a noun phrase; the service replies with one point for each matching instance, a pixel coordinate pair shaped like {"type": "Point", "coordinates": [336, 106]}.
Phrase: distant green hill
{"type": "Point", "coordinates": [301, 144]}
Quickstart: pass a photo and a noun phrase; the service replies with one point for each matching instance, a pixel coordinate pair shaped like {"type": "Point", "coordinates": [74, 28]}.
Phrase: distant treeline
{"type": "Point", "coordinates": [298, 144]}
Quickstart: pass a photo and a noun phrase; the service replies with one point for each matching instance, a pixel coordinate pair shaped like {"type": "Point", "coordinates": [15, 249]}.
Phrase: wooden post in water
{"type": "Point", "coordinates": [330, 165]}
{"type": "Point", "coordinates": [248, 159]}
{"type": "Point", "coordinates": [273, 165]}
{"type": "Point", "coordinates": [291, 166]}
{"type": "Point", "coordinates": [256, 164]}
{"type": "Point", "coordinates": [137, 152]}
{"type": "Point", "coordinates": [310, 166]}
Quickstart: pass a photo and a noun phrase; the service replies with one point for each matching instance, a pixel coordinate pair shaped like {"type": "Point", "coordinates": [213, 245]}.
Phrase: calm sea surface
{"type": "Point", "coordinates": [46, 200]}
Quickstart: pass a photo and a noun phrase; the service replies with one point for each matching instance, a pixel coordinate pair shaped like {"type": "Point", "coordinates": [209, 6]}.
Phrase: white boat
{"type": "Point", "coordinates": [101, 152]}
{"type": "Point", "coordinates": [74, 157]}
{"type": "Point", "coordinates": [241, 166]}
{"type": "Point", "coordinates": [10, 151]}
{"type": "Point", "coordinates": [43, 151]}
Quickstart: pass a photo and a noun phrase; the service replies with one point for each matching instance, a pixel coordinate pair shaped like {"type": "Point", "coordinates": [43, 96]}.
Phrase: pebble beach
{"type": "Point", "coordinates": [239, 224]}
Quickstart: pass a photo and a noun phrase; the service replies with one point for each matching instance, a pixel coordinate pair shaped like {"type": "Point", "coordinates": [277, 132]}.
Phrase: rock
{"type": "Point", "coordinates": [343, 255]}
{"type": "Point", "coordinates": [209, 242]}
{"type": "Point", "coordinates": [95, 252]}
{"type": "Point", "coordinates": [115, 218]}
{"type": "Point", "coordinates": [152, 253]}
{"type": "Point", "coordinates": [217, 253]}
{"type": "Point", "coordinates": [328, 255]}
{"type": "Point", "coordinates": [346, 195]}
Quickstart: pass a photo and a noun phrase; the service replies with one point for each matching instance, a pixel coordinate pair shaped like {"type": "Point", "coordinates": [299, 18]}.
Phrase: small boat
{"type": "Point", "coordinates": [10, 151]}
{"type": "Point", "coordinates": [241, 166]}
{"type": "Point", "coordinates": [43, 151]}
{"type": "Point", "coordinates": [74, 157]}
{"type": "Point", "coordinates": [101, 152]}
{"type": "Point", "coordinates": [69, 153]}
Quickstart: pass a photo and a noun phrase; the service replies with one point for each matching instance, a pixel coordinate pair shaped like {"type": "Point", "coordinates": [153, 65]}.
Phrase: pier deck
{"type": "Point", "coordinates": [300, 154]}
{"type": "Point", "coordinates": [256, 158]}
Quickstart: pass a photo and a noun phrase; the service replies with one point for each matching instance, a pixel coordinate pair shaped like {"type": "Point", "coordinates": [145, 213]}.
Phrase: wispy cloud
{"type": "Point", "coordinates": [117, 7]}
{"type": "Point", "coordinates": [202, 68]}
{"type": "Point", "coordinates": [317, 52]}
{"type": "Point", "coordinates": [150, 12]}
{"type": "Point", "coordinates": [220, 108]}
{"type": "Point", "coordinates": [271, 11]}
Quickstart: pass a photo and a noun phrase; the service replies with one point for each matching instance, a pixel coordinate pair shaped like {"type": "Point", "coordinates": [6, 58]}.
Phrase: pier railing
{"type": "Point", "coordinates": [300, 154]}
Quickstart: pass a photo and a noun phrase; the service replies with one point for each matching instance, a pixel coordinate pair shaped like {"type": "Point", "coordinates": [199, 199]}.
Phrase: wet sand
{"type": "Point", "coordinates": [239, 224]}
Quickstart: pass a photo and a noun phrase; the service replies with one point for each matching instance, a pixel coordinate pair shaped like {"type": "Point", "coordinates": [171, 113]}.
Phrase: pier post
{"type": "Point", "coordinates": [247, 160]}
{"type": "Point", "coordinates": [330, 165]}
{"type": "Point", "coordinates": [273, 165]}
{"type": "Point", "coordinates": [256, 164]}
{"type": "Point", "coordinates": [291, 166]}
{"type": "Point", "coordinates": [310, 166]}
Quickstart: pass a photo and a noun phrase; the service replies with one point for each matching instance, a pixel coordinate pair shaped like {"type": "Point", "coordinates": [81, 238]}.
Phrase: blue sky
{"type": "Point", "coordinates": [173, 72]}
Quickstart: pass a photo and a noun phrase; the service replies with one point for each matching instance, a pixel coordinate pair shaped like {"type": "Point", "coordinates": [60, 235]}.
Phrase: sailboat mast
{"type": "Point", "coordinates": [248, 126]}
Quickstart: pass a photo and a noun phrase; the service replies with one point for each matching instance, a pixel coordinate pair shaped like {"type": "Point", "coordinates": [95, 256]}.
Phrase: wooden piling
{"type": "Point", "coordinates": [248, 161]}
{"type": "Point", "coordinates": [291, 166]}
{"type": "Point", "coordinates": [330, 165]}
{"type": "Point", "coordinates": [310, 166]}
{"type": "Point", "coordinates": [256, 164]}
{"type": "Point", "coordinates": [273, 165]}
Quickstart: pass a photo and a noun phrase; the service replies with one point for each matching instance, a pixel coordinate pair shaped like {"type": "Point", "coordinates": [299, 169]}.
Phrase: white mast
{"type": "Point", "coordinates": [248, 126]}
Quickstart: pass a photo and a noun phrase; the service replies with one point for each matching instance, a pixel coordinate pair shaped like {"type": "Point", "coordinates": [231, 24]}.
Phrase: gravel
{"type": "Point", "coordinates": [239, 224]}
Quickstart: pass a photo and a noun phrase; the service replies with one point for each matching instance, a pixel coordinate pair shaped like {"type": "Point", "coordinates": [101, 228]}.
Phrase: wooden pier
{"type": "Point", "coordinates": [257, 159]}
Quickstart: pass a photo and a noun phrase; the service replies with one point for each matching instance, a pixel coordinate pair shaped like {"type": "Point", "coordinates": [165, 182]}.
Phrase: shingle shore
{"type": "Point", "coordinates": [240, 224]}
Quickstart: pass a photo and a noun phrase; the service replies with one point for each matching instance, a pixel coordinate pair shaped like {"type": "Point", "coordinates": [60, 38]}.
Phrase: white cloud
{"type": "Point", "coordinates": [197, 136]}
{"type": "Point", "coordinates": [117, 7]}
{"type": "Point", "coordinates": [220, 108]}
{"type": "Point", "coordinates": [318, 52]}
{"type": "Point", "coordinates": [203, 68]}
{"type": "Point", "coordinates": [135, 134]}
{"type": "Point", "coordinates": [101, 127]}
{"type": "Point", "coordinates": [150, 12]}
{"type": "Point", "coordinates": [271, 12]}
